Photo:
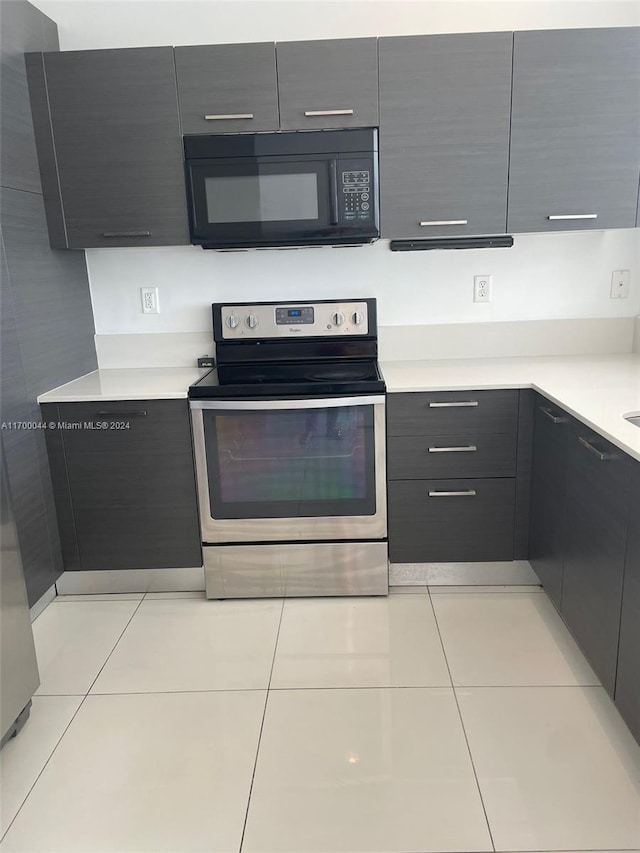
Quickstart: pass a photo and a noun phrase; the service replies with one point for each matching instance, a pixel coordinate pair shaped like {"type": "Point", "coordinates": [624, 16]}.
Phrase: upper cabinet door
{"type": "Point", "coordinates": [444, 134]}
{"type": "Point", "coordinates": [114, 115]}
{"type": "Point", "coordinates": [227, 88]}
{"type": "Point", "coordinates": [325, 84]}
{"type": "Point", "coordinates": [575, 130]}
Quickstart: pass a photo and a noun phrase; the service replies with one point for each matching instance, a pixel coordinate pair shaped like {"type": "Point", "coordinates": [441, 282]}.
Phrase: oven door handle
{"type": "Point", "coordinates": [266, 405]}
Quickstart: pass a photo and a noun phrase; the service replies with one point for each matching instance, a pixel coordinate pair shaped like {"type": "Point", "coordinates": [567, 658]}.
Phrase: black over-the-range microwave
{"type": "Point", "coordinates": [299, 188]}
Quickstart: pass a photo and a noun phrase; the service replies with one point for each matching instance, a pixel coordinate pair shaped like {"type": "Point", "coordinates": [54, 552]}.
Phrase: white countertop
{"type": "Point", "coordinates": [598, 390]}
{"type": "Point", "coordinates": [148, 383]}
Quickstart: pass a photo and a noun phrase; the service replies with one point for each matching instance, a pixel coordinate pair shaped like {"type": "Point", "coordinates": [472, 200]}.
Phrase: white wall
{"type": "Point", "coordinates": [551, 276]}
{"type": "Point", "coordinates": [542, 276]}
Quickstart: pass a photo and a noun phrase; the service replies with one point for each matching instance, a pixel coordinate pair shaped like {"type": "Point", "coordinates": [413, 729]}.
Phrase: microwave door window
{"type": "Point", "coordinates": [265, 197]}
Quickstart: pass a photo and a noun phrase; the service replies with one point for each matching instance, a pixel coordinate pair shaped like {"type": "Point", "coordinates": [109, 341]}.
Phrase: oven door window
{"type": "Point", "coordinates": [291, 463]}
{"type": "Point", "coordinates": [261, 199]}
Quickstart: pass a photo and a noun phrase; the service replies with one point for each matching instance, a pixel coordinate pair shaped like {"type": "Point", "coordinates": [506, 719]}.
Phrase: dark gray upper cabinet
{"type": "Point", "coordinates": [627, 696]}
{"type": "Point", "coordinates": [324, 84]}
{"type": "Point", "coordinates": [24, 28]}
{"type": "Point", "coordinates": [548, 487]}
{"type": "Point", "coordinates": [444, 134]}
{"type": "Point", "coordinates": [575, 129]}
{"type": "Point", "coordinates": [116, 132]}
{"type": "Point", "coordinates": [227, 88]}
{"type": "Point", "coordinates": [595, 534]}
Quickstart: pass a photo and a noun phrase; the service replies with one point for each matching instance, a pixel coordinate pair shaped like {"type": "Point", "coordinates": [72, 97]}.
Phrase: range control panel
{"type": "Point", "coordinates": [293, 320]}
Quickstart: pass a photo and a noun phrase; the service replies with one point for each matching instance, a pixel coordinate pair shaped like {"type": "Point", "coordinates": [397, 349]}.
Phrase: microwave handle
{"type": "Point", "coordinates": [333, 190]}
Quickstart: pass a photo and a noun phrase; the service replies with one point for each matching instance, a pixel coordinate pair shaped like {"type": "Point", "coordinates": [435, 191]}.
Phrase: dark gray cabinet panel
{"type": "Point", "coordinates": [114, 115]}
{"type": "Point", "coordinates": [548, 489]}
{"type": "Point", "coordinates": [452, 412]}
{"type": "Point", "coordinates": [437, 456]}
{"type": "Point", "coordinates": [597, 510]}
{"type": "Point", "coordinates": [21, 31]}
{"type": "Point", "coordinates": [476, 525]}
{"type": "Point", "coordinates": [227, 79]}
{"type": "Point", "coordinates": [526, 408]}
{"type": "Point", "coordinates": [575, 129]}
{"type": "Point", "coordinates": [444, 134]}
{"type": "Point", "coordinates": [339, 74]}
{"type": "Point", "coordinates": [132, 490]}
{"type": "Point", "coordinates": [627, 695]}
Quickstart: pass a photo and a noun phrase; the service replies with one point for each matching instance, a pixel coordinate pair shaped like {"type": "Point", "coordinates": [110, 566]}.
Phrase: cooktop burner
{"type": "Point", "coordinates": [299, 379]}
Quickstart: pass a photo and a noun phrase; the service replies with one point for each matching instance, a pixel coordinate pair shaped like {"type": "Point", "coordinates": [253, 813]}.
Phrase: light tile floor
{"type": "Point", "coordinates": [435, 720]}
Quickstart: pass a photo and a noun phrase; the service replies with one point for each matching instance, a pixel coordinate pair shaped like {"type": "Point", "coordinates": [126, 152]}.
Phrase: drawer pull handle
{"type": "Point", "coordinates": [126, 233]}
{"type": "Point", "coordinates": [553, 418]}
{"type": "Point", "coordinates": [603, 457]}
{"type": "Point", "coordinates": [226, 116]}
{"type": "Point", "coordinates": [463, 494]}
{"type": "Point", "coordinates": [312, 113]}
{"type": "Point", "coordinates": [467, 448]}
{"type": "Point", "coordinates": [573, 216]}
{"type": "Point", "coordinates": [460, 404]}
{"type": "Point", "coordinates": [444, 222]}
{"type": "Point", "coordinates": [139, 413]}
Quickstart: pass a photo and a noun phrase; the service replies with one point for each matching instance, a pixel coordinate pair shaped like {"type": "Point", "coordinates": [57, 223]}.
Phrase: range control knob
{"type": "Point", "coordinates": [252, 321]}
{"type": "Point", "coordinates": [357, 318]}
{"type": "Point", "coordinates": [232, 321]}
{"type": "Point", "coordinates": [337, 319]}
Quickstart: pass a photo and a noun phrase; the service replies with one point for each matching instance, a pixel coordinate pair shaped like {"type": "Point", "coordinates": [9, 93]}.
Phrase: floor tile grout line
{"type": "Point", "coordinates": [264, 714]}
{"type": "Point", "coordinates": [464, 731]}
{"type": "Point", "coordinates": [115, 645]}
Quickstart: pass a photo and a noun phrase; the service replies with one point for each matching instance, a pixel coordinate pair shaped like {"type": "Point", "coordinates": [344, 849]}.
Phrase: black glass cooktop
{"type": "Point", "coordinates": [299, 379]}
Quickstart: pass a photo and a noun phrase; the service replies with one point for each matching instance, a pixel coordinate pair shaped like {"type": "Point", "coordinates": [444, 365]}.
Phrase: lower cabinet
{"type": "Point", "coordinates": [627, 695]}
{"type": "Point", "coordinates": [596, 520]}
{"type": "Point", "coordinates": [585, 546]}
{"type": "Point", "coordinates": [548, 488]}
{"type": "Point", "coordinates": [124, 484]}
{"type": "Point", "coordinates": [456, 482]}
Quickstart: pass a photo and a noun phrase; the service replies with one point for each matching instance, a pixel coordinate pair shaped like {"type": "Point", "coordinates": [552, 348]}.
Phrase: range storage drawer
{"type": "Point", "coordinates": [451, 520]}
{"type": "Point", "coordinates": [414, 457]}
{"type": "Point", "coordinates": [452, 412]}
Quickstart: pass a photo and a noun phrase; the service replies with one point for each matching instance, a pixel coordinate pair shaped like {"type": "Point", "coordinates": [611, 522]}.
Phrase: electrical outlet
{"type": "Point", "coordinates": [482, 288]}
{"type": "Point", "coordinates": [150, 301]}
{"type": "Point", "coordinates": [620, 283]}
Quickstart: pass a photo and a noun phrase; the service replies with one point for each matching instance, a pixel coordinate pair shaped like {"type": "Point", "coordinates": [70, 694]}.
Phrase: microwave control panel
{"type": "Point", "coordinates": [290, 319]}
{"type": "Point", "coordinates": [354, 191]}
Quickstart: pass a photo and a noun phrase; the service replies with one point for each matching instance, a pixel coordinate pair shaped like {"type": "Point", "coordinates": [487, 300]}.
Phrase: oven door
{"type": "Point", "coordinates": [291, 470]}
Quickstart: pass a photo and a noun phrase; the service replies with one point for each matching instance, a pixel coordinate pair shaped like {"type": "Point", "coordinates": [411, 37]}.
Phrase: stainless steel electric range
{"type": "Point", "coordinates": [289, 437]}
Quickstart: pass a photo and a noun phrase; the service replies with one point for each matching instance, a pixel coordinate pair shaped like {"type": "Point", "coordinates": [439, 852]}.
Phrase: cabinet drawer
{"type": "Point", "coordinates": [416, 457]}
{"type": "Point", "coordinates": [476, 522]}
{"type": "Point", "coordinates": [452, 412]}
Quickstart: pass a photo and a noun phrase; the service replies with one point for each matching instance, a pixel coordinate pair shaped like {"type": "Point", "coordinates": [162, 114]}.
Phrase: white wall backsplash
{"type": "Point", "coordinates": [542, 277]}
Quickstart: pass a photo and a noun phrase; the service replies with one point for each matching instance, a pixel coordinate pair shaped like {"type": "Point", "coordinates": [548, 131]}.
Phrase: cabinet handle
{"type": "Point", "coordinates": [553, 418]}
{"type": "Point", "coordinates": [466, 493]}
{"type": "Point", "coordinates": [312, 113]}
{"type": "Point", "coordinates": [226, 116]}
{"type": "Point", "coordinates": [468, 448]}
{"type": "Point", "coordinates": [444, 222]}
{"type": "Point", "coordinates": [459, 404]}
{"type": "Point", "coordinates": [574, 216]}
{"type": "Point", "coordinates": [603, 457]}
{"type": "Point", "coordinates": [126, 233]}
{"type": "Point", "coordinates": [140, 413]}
